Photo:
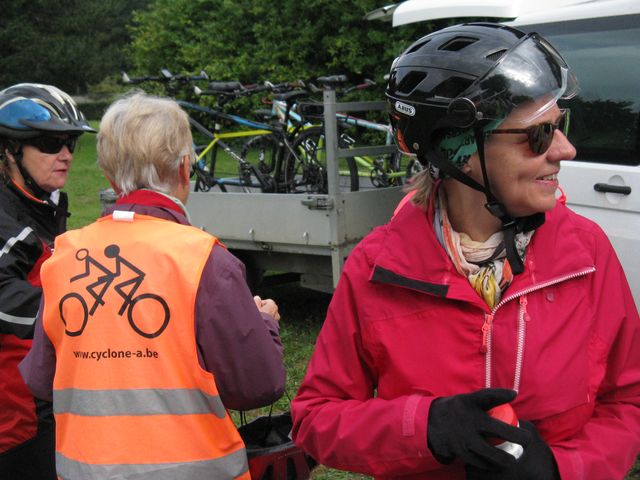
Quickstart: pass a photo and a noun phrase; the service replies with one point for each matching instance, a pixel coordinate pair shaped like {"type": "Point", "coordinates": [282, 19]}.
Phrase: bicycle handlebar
{"type": "Point", "coordinates": [165, 77]}
{"type": "Point", "coordinates": [285, 86]}
{"type": "Point", "coordinates": [226, 86]}
{"type": "Point", "coordinates": [332, 80]}
{"type": "Point", "coordinates": [335, 81]}
{"type": "Point", "coordinates": [237, 89]}
{"type": "Point", "coordinates": [230, 89]}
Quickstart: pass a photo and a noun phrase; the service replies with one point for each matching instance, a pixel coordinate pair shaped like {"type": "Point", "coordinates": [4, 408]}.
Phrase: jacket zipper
{"type": "Point", "coordinates": [523, 318]}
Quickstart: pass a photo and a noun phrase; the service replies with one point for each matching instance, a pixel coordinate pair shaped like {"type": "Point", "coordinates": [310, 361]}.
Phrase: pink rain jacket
{"type": "Point", "coordinates": [404, 328]}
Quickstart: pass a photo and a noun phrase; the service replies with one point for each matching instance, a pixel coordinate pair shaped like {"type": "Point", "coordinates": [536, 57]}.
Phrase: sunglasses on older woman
{"type": "Point", "coordinates": [541, 135]}
{"type": "Point", "coordinates": [52, 144]}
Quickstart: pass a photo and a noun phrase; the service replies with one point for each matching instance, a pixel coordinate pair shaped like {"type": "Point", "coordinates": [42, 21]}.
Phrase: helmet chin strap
{"type": "Point", "coordinates": [510, 225]}
{"type": "Point", "coordinates": [497, 209]}
{"type": "Point", "coordinates": [29, 182]}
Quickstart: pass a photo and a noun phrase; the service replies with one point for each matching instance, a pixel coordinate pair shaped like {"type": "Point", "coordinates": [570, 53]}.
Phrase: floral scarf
{"type": "Point", "coordinates": [483, 263]}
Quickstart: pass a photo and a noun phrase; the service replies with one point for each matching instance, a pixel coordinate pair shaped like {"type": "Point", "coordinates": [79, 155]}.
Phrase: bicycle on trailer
{"type": "Point", "coordinates": [264, 161]}
{"type": "Point", "coordinates": [200, 118]}
{"type": "Point", "coordinates": [260, 158]}
{"type": "Point", "coordinates": [255, 148]}
{"type": "Point", "coordinates": [382, 170]}
{"type": "Point", "coordinates": [285, 156]}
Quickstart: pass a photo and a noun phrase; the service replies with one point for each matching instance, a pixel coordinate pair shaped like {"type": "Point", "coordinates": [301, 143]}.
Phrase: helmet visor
{"type": "Point", "coordinates": [532, 71]}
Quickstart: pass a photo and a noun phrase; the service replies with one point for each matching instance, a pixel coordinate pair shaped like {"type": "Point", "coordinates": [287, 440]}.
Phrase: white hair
{"type": "Point", "coordinates": [141, 142]}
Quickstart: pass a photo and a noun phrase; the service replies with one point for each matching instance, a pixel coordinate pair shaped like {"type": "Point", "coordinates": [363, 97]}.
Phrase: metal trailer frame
{"type": "Point", "coordinates": [302, 234]}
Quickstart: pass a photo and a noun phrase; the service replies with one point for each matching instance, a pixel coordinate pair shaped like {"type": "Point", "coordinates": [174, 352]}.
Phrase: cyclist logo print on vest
{"type": "Point", "coordinates": [101, 285]}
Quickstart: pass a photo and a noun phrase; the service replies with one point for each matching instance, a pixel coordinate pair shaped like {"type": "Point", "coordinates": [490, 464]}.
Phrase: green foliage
{"type": "Point", "coordinates": [253, 41]}
{"type": "Point", "coordinates": [93, 110]}
{"type": "Point", "coordinates": [70, 45]}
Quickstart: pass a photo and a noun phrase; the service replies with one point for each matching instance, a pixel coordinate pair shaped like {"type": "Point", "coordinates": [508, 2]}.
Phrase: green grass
{"type": "Point", "coordinates": [85, 182]}
{"type": "Point", "coordinates": [302, 310]}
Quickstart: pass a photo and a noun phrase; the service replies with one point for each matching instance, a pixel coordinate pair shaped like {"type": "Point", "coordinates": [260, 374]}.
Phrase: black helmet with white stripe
{"type": "Point", "coordinates": [29, 110]}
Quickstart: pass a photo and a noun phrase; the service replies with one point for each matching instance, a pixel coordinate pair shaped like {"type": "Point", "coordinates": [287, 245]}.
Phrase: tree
{"type": "Point", "coordinates": [252, 41]}
{"type": "Point", "coordinates": [68, 44]}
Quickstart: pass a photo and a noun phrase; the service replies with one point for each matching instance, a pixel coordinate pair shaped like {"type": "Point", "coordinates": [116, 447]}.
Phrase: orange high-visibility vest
{"type": "Point", "coordinates": [130, 397]}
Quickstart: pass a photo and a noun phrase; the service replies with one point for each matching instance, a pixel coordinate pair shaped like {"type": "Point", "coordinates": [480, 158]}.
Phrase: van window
{"type": "Point", "coordinates": [605, 55]}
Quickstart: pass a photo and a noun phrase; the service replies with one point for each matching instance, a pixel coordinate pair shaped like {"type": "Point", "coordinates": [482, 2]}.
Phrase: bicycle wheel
{"type": "Point", "coordinates": [414, 167]}
{"type": "Point", "coordinates": [306, 171]}
{"type": "Point", "coordinates": [261, 151]}
{"type": "Point", "coordinates": [259, 164]}
{"type": "Point", "coordinates": [395, 166]}
{"type": "Point", "coordinates": [386, 171]}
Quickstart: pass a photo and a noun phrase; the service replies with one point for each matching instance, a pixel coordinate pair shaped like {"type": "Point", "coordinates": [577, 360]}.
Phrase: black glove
{"type": "Point", "coordinates": [537, 462]}
{"type": "Point", "coordinates": [460, 425]}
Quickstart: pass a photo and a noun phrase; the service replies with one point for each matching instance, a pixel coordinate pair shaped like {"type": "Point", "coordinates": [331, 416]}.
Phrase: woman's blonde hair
{"type": "Point", "coordinates": [141, 142]}
{"type": "Point", "coordinates": [422, 183]}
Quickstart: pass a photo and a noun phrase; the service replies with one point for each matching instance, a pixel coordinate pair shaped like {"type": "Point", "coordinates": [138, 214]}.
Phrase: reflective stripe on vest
{"type": "Point", "coordinates": [137, 402]}
{"type": "Point", "coordinates": [199, 470]}
{"type": "Point", "coordinates": [130, 396]}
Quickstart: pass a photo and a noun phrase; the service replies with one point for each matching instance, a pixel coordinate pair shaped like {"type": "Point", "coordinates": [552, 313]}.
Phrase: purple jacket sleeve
{"type": "Point", "coordinates": [237, 343]}
{"type": "Point", "coordinates": [39, 366]}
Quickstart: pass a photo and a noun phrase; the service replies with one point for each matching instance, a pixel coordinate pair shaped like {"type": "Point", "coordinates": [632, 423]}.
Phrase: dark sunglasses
{"type": "Point", "coordinates": [52, 144]}
{"type": "Point", "coordinates": [540, 136]}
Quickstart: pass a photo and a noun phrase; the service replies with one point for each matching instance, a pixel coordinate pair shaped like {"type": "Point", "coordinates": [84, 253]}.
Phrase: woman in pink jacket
{"type": "Point", "coordinates": [482, 290]}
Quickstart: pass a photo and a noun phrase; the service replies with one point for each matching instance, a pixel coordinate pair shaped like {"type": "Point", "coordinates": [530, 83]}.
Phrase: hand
{"type": "Point", "coordinates": [536, 462]}
{"type": "Point", "coordinates": [267, 306]}
{"type": "Point", "coordinates": [459, 427]}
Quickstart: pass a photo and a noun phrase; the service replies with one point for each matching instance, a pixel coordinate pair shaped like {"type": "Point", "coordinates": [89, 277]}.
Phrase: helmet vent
{"type": "Point", "coordinates": [495, 56]}
{"type": "Point", "coordinates": [457, 44]}
{"type": "Point", "coordinates": [417, 46]}
{"type": "Point", "coordinates": [452, 87]}
{"type": "Point", "coordinates": [411, 81]}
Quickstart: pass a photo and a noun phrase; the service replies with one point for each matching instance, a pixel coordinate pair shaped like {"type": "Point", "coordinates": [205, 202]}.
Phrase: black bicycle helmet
{"type": "Point", "coordinates": [465, 77]}
{"type": "Point", "coordinates": [271, 452]}
{"type": "Point", "coordinates": [29, 110]}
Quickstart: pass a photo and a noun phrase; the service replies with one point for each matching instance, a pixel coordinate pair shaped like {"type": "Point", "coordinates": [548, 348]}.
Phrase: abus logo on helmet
{"type": "Point", "coordinates": [406, 109]}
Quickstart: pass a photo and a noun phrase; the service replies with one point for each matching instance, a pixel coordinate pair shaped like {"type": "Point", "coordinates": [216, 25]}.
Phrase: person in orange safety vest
{"type": "Point", "coordinates": [139, 342]}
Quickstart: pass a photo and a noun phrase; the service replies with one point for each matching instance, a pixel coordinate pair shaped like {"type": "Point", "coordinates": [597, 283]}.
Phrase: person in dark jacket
{"type": "Point", "coordinates": [483, 291]}
{"type": "Point", "coordinates": [39, 127]}
{"type": "Point", "coordinates": [170, 337]}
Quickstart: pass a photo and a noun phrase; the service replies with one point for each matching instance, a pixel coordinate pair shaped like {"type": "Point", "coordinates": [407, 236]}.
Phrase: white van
{"type": "Point", "coordinates": [600, 39]}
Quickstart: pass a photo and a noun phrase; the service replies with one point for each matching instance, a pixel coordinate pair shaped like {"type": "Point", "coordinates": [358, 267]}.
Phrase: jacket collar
{"type": "Point", "coordinates": [50, 218]}
{"type": "Point", "coordinates": [148, 202]}
{"type": "Point", "coordinates": [411, 256]}
{"type": "Point", "coordinates": [152, 198]}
